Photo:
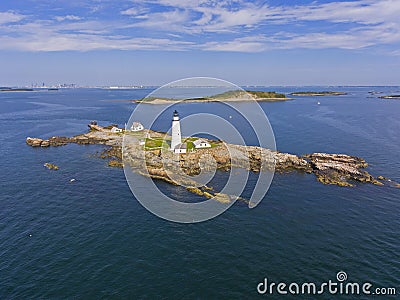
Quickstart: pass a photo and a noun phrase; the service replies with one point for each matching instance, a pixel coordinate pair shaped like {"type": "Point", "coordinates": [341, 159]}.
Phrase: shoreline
{"type": "Point", "coordinates": [317, 94]}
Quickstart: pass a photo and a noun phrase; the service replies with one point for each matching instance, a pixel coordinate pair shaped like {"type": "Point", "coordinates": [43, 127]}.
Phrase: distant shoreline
{"type": "Point", "coordinates": [16, 90]}
{"type": "Point", "coordinates": [21, 90]}
{"type": "Point", "coordinates": [318, 94]}
{"type": "Point", "coordinates": [390, 97]}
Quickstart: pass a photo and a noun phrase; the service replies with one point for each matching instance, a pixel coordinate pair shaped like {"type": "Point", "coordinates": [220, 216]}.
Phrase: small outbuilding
{"type": "Point", "coordinates": [116, 130]}
{"type": "Point", "coordinates": [201, 144]}
{"type": "Point", "coordinates": [136, 126]}
{"type": "Point", "coordinates": [180, 148]}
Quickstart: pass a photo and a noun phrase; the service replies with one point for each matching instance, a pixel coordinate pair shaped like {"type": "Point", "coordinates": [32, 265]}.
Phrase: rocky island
{"type": "Point", "coordinates": [144, 153]}
{"type": "Point", "coordinates": [7, 89]}
{"type": "Point", "coordinates": [318, 94]}
{"type": "Point", "coordinates": [390, 97]}
{"type": "Point", "coordinates": [231, 96]}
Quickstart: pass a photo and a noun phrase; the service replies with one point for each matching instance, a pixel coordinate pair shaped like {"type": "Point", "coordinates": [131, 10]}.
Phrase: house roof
{"type": "Point", "coordinates": [198, 142]}
{"type": "Point", "coordinates": [181, 146]}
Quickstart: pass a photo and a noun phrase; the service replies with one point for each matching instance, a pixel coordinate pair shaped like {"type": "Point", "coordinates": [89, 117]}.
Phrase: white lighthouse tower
{"type": "Point", "coordinates": [176, 131]}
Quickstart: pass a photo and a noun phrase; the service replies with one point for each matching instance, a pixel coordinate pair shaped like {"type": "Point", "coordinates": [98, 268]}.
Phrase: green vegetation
{"type": "Point", "coordinates": [266, 95]}
{"type": "Point", "coordinates": [190, 146]}
{"type": "Point", "coordinates": [214, 144]}
{"type": "Point", "coordinates": [155, 143]}
{"type": "Point", "coordinates": [230, 94]}
{"type": "Point", "coordinates": [190, 139]}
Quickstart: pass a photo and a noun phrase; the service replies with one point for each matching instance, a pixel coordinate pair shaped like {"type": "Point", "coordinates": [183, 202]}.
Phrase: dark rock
{"type": "Point", "coordinates": [45, 143]}
{"type": "Point", "coordinates": [34, 142]}
{"type": "Point", "coordinates": [51, 166]}
{"type": "Point", "coordinates": [115, 163]}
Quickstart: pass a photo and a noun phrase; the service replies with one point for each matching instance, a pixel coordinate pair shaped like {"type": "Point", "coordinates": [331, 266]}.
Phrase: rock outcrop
{"type": "Point", "coordinates": [390, 97]}
{"type": "Point", "coordinates": [51, 166]}
{"type": "Point", "coordinates": [339, 169]}
{"type": "Point", "coordinates": [54, 141]}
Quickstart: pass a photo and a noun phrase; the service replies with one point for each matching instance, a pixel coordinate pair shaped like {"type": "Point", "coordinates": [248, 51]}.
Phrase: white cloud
{"type": "Point", "coordinates": [363, 12]}
{"type": "Point", "coordinates": [10, 17]}
{"type": "Point", "coordinates": [356, 38]}
{"type": "Point", "coordinates": [367, 23]}
{"type": "Point", "coordinates": [78, 36]}
{"type": "Point", "coordinates": [84, 42]}
{"type": "Point", "coordinates": [166, 21]}
{"type": "Point", "coordinates": [214, 16]}
{"type": "Point", "coordinates": [67, 18]}
{"type": "Point", "coordinates": [235, 25]}
{"type": "Point", "coordinates": [201, 16]}
{"type": "Point", "coordinates": [134, 11]}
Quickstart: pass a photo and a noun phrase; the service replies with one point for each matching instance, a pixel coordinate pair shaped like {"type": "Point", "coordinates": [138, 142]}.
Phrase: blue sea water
{"type": "Point", "coordinates": [92, 239]}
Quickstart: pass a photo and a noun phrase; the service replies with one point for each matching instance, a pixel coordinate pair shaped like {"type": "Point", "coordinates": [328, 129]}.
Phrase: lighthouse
{"type": "Point", "coordinates": [176, 131]}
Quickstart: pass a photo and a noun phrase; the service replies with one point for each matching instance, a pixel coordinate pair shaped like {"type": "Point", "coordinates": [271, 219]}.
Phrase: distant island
{"type": "Point", "coordinates": [390, 97]}
{"type": "Point", "coordinates": [8, 89]}
{"type": "Point", "coordinates": [318, 94]}
{"type": "Point", "coordinates": [233, 96]}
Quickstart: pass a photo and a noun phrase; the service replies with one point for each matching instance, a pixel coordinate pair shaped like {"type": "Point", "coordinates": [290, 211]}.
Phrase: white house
{"type": "Point", "coordinates": [180, 148]}
{"type": "Point", "coordinates": [201, 144]}
{"type": "Point", "coordinates": [136, 126]}
{"type": "Point", "coordinates": [116, 130]}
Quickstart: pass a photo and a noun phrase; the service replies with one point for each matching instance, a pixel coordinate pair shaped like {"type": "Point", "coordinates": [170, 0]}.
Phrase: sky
{"type": "Point", "coordinates": [147, 42]}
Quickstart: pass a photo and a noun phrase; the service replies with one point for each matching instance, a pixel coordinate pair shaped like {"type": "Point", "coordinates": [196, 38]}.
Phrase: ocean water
{"type": "Point", "coordinates": [92, 239]}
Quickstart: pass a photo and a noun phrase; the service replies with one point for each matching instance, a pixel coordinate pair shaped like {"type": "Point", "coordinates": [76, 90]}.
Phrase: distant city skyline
{"type": "Point", "coordinates": [150, 43]}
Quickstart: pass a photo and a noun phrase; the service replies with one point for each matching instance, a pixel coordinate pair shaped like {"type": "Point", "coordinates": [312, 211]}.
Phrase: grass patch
{"type": "Point", "coordinates": [190, 139]}
{"type": "Point", "coordinates": [258, 94]}
{"type": "Point", "coordinates": [214, 144]}
{"type": "Point", "coordinates": [189, 146]}
{"type": "Point", "coordinates": [155, 143]}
